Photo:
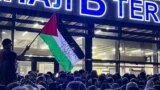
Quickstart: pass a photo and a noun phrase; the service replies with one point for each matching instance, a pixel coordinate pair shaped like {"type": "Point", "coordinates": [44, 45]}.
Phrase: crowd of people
{"type": "Point", "coordinates": [82, 80]}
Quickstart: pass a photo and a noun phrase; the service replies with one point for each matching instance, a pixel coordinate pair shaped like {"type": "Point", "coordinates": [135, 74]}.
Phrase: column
{"type": "Point", "coordinates": [117, 55]}
{"type": "Point", "coordinates": [88, 47]}
{"type": "Point", "coordinates": [155, 58]}
{"type": "Point", "coordinates": [1, 35]}
{"type": "Point", "coordinates": [13, 27]}
{"type": "Point", "coordinates": [56, 66]}
{"type": "Point", "coordinates": [83, 49]}
{"type": "Point", "coordinates": [33, 64]}
{"type": "Point", "coordinates": [117, 49]}
{"type": "Point", "coordinates": [155, 53]}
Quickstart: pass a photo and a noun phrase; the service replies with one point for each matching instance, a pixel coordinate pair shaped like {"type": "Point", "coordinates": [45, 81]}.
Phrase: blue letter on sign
{"type": "Point", "coordinates": [57, 4]}
{"type": "Point", "coordinates": [151, 11]}
{"type": "Point", "coordinates": [121, 7]}
{"type": "Point", "coordinates": [46, 3]}
{"type": "Point", "coordinates": [22, 1]}
{"type": "Point", "coordinates": [136, 7]}
{"type": "Point", "coordinates": [68, 5]}
{"type": "Point", "coordinates": [97, 11]}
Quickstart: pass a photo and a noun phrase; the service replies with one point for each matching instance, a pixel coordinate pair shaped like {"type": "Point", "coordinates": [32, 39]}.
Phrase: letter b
{"type": "Point", "coordinates": [98, 8]}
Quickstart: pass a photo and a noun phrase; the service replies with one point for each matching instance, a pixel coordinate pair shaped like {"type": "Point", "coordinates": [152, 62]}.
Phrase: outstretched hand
{"type": "Point", "coordinates": [21, 56]}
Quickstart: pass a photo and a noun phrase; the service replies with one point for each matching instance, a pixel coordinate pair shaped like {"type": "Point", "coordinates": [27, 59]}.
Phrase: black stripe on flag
{"type": "Point", "coordinates": [75, 47]}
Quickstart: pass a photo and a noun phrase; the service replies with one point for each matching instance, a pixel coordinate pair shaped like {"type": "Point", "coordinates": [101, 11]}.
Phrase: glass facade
{"type": "Point", "coordinates": [4, 34]}
{"type": "Point", "coordinates": [103, 49]}
{"type": "Point", "coordinates": [44, 67]}
{"type": "Point", "coordinates": [24, 67]}
{"type": "Point", "coordinates": [106, 68]}
{"type": "Point", "coordinates": [136, 69]}
{"type": "Point", "coordinates": [38, 48]}
{"type": "Point", "coordinates": [136, 51]}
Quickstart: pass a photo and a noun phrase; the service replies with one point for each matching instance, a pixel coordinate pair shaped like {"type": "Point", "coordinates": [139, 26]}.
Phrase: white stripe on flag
{"type": "Point", "coordinates": [62, 43]}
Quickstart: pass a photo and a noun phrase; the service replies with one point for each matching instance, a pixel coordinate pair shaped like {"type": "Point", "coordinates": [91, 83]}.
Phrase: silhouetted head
{"type": "Point", "coordinates": [132, 86]}
{"type": "Point", "coordinates": [76, 85]}
{"type": "Point", "coordinates": [7, 44]}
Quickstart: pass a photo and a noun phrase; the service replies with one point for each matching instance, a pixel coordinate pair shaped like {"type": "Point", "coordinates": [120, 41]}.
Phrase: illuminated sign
{"type": "Point", "coordinates": [85, 9]}
{"type": "Point", "coordinates": [131, 10]}
{"type": "Point", "coordinates": [139, 10]}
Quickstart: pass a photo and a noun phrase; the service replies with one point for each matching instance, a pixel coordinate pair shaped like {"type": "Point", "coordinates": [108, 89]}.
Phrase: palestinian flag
{"type": "Point", "coordinates": [61, 44]}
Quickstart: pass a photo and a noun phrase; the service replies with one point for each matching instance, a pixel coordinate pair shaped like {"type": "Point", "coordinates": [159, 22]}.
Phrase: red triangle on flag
{"type": "Point", "coordinates": [51, 27]}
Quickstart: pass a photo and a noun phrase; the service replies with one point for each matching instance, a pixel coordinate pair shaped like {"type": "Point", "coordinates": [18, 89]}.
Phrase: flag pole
{"type": "Point", "coordinates": [34, 39]}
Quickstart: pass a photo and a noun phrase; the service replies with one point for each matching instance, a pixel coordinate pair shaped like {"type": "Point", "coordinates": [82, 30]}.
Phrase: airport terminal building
{"type": "Point", "coordinates": [115, 35]}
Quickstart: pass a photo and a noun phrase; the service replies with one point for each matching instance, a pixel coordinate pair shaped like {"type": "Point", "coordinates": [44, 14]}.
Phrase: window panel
{"type": "Point", "coordinates": [103, 49]}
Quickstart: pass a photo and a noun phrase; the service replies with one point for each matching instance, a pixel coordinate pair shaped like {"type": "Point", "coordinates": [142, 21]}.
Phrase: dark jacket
{"type": "Point", "coordinates": [7, 67]}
